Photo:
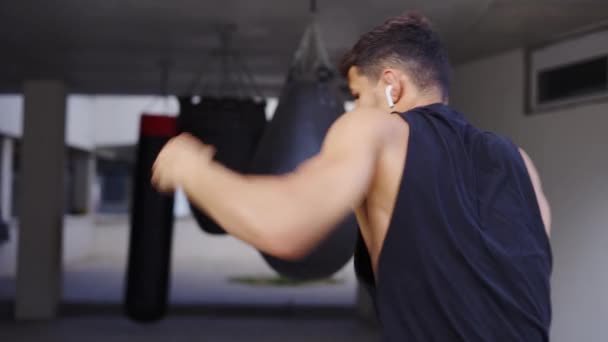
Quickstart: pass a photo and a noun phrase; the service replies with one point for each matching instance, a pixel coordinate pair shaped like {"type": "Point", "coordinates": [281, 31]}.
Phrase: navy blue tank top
{"type": "Point", "coordinates": [466, 256]}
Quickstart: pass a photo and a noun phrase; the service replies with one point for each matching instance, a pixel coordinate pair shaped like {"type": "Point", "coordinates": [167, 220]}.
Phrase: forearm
{"type": "Point", "coordinates": [236, 202]}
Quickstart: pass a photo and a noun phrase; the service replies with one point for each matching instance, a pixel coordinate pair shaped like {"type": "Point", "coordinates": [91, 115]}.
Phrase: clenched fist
{"type": "Point", "coordinates": [182, 156]}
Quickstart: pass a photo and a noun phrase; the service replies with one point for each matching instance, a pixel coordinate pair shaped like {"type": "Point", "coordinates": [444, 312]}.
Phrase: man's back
{"type": "Point", "coordinates": [456, 240]}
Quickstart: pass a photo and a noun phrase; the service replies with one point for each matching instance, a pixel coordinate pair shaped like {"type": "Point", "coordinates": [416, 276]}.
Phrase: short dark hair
{"type": "Point", "coordinates": [408, 40]}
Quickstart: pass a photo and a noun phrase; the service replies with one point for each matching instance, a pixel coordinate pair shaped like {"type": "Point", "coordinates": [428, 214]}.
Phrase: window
{"type": "Point", "coordinates": [570, 71]}
{"type": "Point", "coordinates": [576, 80]}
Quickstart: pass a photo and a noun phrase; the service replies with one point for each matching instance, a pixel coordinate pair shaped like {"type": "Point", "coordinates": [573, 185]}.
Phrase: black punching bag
{"type": "Point", "coordinates": [305, 112]}
{"type": "Point", "coordinates": [310, 102]}
{"type": "Point", "coordinates": [233, 126]}
{"type": "Point", "coordinates": [147, 283]}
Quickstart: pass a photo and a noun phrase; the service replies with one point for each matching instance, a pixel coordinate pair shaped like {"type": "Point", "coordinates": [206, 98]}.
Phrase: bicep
{"type": "Point", "coordinates": [543, 203]}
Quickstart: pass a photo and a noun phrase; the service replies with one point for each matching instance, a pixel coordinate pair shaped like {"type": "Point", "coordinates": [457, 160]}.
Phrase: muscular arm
{"type": "Point", "coordinates": [288, 215]}
{"type": "Point", "coordinates": [543, 204]}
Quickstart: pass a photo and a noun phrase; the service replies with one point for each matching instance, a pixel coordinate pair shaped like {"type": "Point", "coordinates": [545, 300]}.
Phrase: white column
{"type": "Point", "coordinates": [41, 200]}
{"type": "Point", "coordinates": [6, 178]}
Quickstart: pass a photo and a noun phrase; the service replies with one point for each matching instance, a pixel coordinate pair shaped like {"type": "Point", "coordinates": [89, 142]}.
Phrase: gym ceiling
{"type": "Point", "coordinates": [118, 46]}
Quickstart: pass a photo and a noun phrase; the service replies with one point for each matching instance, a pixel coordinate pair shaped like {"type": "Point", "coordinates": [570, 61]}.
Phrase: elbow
{"type": "Point", "coordinates": [271, 234]}
{"type": "Point", "coordinates": [287, 253]}
{"type": "Point", "coordinates": [283, 228]}
{"type": "Point", "coordinates": [287, 244]}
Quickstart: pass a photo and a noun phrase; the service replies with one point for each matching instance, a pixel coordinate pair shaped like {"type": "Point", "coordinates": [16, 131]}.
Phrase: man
{"type": "Point", "coordinates": [453, 219]}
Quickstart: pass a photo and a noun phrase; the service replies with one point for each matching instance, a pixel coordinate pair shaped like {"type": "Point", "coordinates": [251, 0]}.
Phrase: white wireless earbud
{"type": "Point", "coordinates": [389, 97]}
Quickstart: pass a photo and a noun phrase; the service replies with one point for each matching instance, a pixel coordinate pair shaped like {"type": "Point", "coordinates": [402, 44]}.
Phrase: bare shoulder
{"type": "Point", "coordinates": [371, 124]}
{"type": "Point", "coordinates": [543, 203]}
{"type": "Point", "coordinates": [532, 171]}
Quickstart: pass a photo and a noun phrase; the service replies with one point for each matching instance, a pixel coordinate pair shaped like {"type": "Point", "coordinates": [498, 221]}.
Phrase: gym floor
{"type": "Point", "coordinates": [205, 304]}
{"type": "Point", "coordinates": [113, 329]}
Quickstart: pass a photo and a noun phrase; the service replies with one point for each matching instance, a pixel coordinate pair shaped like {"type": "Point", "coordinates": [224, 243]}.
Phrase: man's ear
{"type": "Point", "coordinates": [391, 78]}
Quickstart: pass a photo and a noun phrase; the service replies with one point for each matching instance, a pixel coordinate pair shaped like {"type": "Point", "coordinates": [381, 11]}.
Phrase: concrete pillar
{"type": "Point", "coordinates": [6, 178]}
{"type": "Point", "coordinates": [41, 200]}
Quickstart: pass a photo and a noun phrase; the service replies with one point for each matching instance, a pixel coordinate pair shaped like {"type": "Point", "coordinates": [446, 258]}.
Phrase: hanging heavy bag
{"type": "Point", "coordinates": [233, 126]}
{"type": "Point", "coordinates": [310, 102]}
{"type": "Point", "coordinates": [147, 283]}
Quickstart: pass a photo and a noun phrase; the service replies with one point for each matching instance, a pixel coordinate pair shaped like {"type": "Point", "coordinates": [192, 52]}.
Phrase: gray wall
{"type": "Point", "coordinates": [569, 147]}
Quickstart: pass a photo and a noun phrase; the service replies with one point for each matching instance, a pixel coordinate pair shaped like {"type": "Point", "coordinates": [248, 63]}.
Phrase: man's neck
{"type": "Point", "coordinates": [404, 106]}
